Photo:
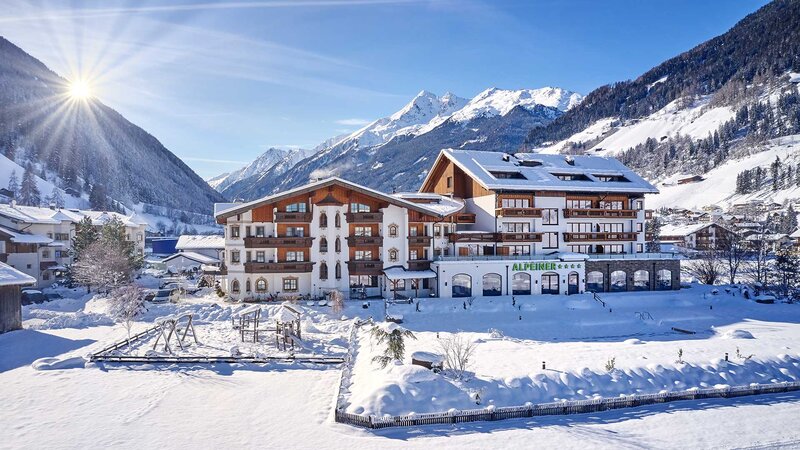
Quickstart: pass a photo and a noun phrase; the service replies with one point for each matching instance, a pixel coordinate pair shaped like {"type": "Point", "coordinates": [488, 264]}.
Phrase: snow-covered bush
{"type": "Point", "coordinates": [457, 351]}
{"type": "Point", "coordinates": [126, 303]}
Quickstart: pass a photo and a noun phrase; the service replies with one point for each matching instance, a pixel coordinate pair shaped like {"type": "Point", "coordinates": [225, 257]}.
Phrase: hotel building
{"type": "Point", "coordinates": [483, 223]}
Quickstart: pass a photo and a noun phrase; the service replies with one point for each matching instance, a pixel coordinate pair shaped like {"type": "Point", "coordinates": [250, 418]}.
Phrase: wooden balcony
{"type": "Point", "coordinates": [278, 242]}
{"type": "Point", "coordinates": [361, 267]}
{"type": "Point", "coordinates": [600, 213]}
{"type": "Point", "coordinates": [464, 218]}
{"type": "Point", "coordinates": [419, 240]}
{"type": "Point", "coordinates": [520, 237]}
{"type": "Point", "coordinates": [519, 212]}
{"type": "Point", "coordinates": [292, 217]}
{"type": "Point", "coordinates": [419, 264]}
{"type": "Point", "coordinates": [278, 267]}
{"type": "Point", "coordinates": [364, 217]}
{"type": "Point", "coordinates": [590, 237]}
{"type": "Point", "coordinates": [473, 237]}
{"type": "Point", "coordinates": [365, 241]}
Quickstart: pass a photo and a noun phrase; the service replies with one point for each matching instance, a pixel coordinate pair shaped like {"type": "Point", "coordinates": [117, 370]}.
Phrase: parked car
{"type": "Point", "coordinates": [166, 296]}
{"type": "Point", "coordinates": [149, 294]}
{"type": "Point", "coordinates": [31, 296]}
{"type": "Point", "coordinates": [176, 286]}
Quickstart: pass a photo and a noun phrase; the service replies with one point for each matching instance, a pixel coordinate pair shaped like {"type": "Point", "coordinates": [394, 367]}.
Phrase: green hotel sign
{"type": "Point", "coordinates": [544, 265]}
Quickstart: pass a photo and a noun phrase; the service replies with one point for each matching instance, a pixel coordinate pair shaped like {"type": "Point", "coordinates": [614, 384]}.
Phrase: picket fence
{"type": "Point", "coordinates": [558, 408]}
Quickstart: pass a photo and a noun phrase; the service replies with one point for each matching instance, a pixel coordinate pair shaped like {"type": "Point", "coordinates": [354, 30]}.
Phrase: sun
{"type": "Point", "coordinates": [80, 90]}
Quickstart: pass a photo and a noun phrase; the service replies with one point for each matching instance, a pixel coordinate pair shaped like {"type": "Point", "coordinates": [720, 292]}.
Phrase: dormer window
{"type": "Point", "coordinates": [508, 175]}
{"type": "Point", "coordinates": [571, 177]}
{"type": "Point", "coordinates": [612, 178]}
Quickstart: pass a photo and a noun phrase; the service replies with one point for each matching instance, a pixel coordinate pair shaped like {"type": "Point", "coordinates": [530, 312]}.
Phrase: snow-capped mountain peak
{"type": "Point", "coordinates": [494, 101]}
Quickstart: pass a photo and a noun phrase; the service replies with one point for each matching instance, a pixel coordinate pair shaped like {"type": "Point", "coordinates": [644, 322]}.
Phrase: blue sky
{"type": "Point", "coordinates": [219, 82]}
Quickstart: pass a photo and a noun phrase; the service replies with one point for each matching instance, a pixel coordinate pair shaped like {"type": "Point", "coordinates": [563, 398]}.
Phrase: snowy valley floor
{"type": "Point", "coordinates": [291, 406]}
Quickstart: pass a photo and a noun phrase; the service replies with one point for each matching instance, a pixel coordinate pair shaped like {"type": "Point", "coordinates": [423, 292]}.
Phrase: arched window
{"type": "Point", "coordinates": [323, 220]}
{"type": "Point", "coordinates": [337, 245]}
{"type": "Point", "coordinates": [393, 255]}
{"type": "Point", "coordinates": [393, 230]}
{"type": "Point", "coordinates": [323, 271]}
{"type": "Point", "coordinates": [323, 245]}
{"type": "Point", "coordinates": [261, 285]}
{"type": "Point", "coordinates": [462, 285]}
{"type": "Point", "coordinates": [337, 220]}
{"type": "Point", "coordinates": [550, 283]}
{"type": "Point", "coordinates": [594, 282]}
{"type": "Point", "coordinates": [619, 281]}
{"type": "Point", "coordinates": [664, 279]}
{"type": "Point", "coordinates": [573, 283]}
{"type": "Point", "coordinates": [641, 280]}
{"type": "Point", "coordinates": [247, 286]}
{"type": "Point", "coordinates": [338, 270]}
{"type": "Point", "coordinates": [521, 284]}
{"type": "Point", "coordinates": [492, 284]}
{"type": "Point", "coordinates": [235, 286]}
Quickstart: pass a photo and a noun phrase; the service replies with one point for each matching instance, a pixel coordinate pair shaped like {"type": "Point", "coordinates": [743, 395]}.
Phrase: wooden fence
{"type": "Point", "coordinates": [558, 408]}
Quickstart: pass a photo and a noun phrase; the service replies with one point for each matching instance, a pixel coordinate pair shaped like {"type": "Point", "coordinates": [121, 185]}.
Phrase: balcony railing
{"type": "Point", "coordinates": [278, 242]}
{"type": "Point", "coordinates": [419, 264]}
{"type": "Point", "coordinates": [588, 237]}
{"type": "Point", "coordinates": [599, 213]}
{"type": "Point", "coordinates": [519, 212]}
{"type": "Point", "coordinates": [365, 241]}
{"type": "Point", "coordinates": [278, 267]}
{"type": "Point", "coordinates": [293, 217]}
{"type": "Point", "coordinates": [473, 237]}
{"type": "Point", "coordinates": [364, 217]}
{"type": "Point", "coordinates": [362, 267]}
{"type": "Point", "coordinates": [419, 240]}
{"type": "Point", "coordinates": [520, 237]}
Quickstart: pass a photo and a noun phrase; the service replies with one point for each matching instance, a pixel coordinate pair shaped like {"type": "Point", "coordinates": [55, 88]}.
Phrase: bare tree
{"type": "Point", "coordinates": [126, 303]}
{"type": "Point", "coordinates": [733, 251]}
{"type": "Point", "coordinates": [707, 267]}
{"type": "Point", "coordinates": [758, 263]}
{"type": "Point", "coordinates": [102, 267]}
{"type": "Point", "coordinates": [337, 301]}
{"type": "Point", "coordinates": [457, 351]}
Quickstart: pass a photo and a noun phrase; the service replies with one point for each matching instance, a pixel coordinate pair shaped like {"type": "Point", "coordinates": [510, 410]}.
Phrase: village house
{"type": "Point", "coordinates": [483, 223]}
{"type": "Point", "coordinates": [195, 251]}
{"type": "Point", "coordinates": [696, 236]}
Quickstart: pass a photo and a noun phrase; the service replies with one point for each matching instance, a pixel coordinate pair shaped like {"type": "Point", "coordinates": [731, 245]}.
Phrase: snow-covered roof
{"type": "Point", "coordinates": [438, 204]}
{"type": "Point", "coordinates": [25, 238]}
{"type": "Point", "coordinates": [772, 237]}
{"type": "Point", "coordinates": [10, 276]}
{"type": "Point", "coordinates": [540, 172]}
{"type": "Point", "coordinates": [687, 229]}
{"type": "Point", "coordinates": [39, 215]}
{"type": "Point", "coordinates": [195, 242]}
{"type": "Point", "coordinates": [399, 273]}
{"type": "Point", "coordinates": [200, 258]}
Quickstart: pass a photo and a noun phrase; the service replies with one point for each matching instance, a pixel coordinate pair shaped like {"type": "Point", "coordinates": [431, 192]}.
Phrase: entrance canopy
{"type": "Point", "coordinates": [399, 273]}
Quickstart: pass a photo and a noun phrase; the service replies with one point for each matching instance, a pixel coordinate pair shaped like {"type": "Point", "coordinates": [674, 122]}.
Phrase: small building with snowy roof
{"type": "Point", "coordinates": [211, 245]}
{"type": "Point", "coordinates": [11, 282]}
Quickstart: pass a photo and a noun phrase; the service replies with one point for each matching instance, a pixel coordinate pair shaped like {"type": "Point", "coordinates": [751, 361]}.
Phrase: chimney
{"type": "Point", "coordinates": [53, 206]}
{"type": "Point", "coordinates": [506, 158]}
{"type": "Point", "coordinates": [570, 160]}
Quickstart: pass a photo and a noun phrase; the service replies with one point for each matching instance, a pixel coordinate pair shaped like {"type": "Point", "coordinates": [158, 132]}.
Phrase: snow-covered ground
{"type": "Point", "coordinates": [291, 406]}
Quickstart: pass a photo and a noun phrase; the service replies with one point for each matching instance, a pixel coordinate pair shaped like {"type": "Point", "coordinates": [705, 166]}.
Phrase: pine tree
{"type": "Point", "coordinates": [13, 184]}
{"type": "Point", "coordinates": [29, 192]}
{"type": "Point", "coordinates": [55, 198]}
{"type": "Point", "coordinates": [98, 198]}
{"type": "Point", "coordinates": [85, 235]}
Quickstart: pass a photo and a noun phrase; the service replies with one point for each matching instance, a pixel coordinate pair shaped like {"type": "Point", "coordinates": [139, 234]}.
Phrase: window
{"type": "Point", "coordinates": [413, 255]}
{"type": "Point", "coordinates": [550, 216]}
{"type": "Point", "coordinates": [235, 258]}
{"type": "Point", "coordinates": [290, 284]}
{"type": "Point", "coordinates": [517, 227]}
{"type": "Point", "coordinates": [450, 182]}
{"type": "Point", "coordinates": [295, 256]}
{"type": "Point", "coordinates": [579, 204]}
{"type": "Point", "coordinates": [492, 284]}
{"type": "Point", "coordinates": [323, 271]}
{"type": "Point", "coordinates": [462, 285]}
{"type": "Point", "coordinates": [594, 282]}
{"type": "Point", "coordinates": [613, 248]}
{"type": "Point", "coordinates": [323, 245]}
{"type": "Point", "coordinates": [399, 285]}
{"type": "Point", "coordinates": [639, 248]}
{"type": "Point", "coordinates": [338, 270]}
{"type": "Point", "coordinates": [619, 281]}
{"type": "Point", "coordinates": [235, 286]}
{"type": "Point", "coordinates": [584, 248]}
{"type": "Point", "coordinates": [664, 279]}
{"type": "Point", "coordinates": [337, 220]}
{"type": "Point", "coordinates": [248, 231]}
{"type": "Point", "coordinates": [359, 281]}
{"type": "Point", "coordinates": [572, 177]}
{"type": "Point", "coordinates": [45, 253]}
{"type": "Point", "coordinates": [516, 203]}
{"type": "Point", "coordinates": [639, 227]}
{"type": "Point", "coordinates": [248, 256]}
{"type": "Point", "coordinates": [413, 231]}
{"type": "Point", "coordinates": [572, 283]}
{"type": "Point", "coordinates": [296, 207]}
{"type": "Point", "coordinates": [508, 175]}
{"type": "Point", "coordinates": [612, 228]}
{"type": "Point", "coordinates": [247, 286]}
{"type": "Point", "coordinates": [50, 235]}
{"type": "Point", "coordinates": [46, 275]}
{"type": "Point", "coordinates": [356, 207]}
{"type": "Point", "coordinates": [235, 232]}
{"type": "Point", "coordinates": [323, 220]}
{"type": "Point", "coordinates": [550, 283]}
{"type": "Point", "coordinates": [615, 204]}
{"type": "Point", "coordinates": [580, 227]}
{"type": "Point", "coordinates": [337, 245]}
{"type": "Point", "coordinates": [65, 236]}
{"type": "Point", "coordinates": [639, 205]}
{"type": "Point", "coordinates": [519, 250]}
{"type": "Point", "coordinates": [610, 178]}
{"type": "Point", "coordinates": [259, 231]}
{"type": "Point", "coordinates": [363, 255]}
{"type": "Point", "coordinates": [641, 280]}
{"type": "Point", "coordinates": [521, 284]}
{"type": "Point", "coordinates": [549, 240]}
{"type": "Point", "coordinates": [393, 255]}
{"type": "Point", "coordinates": [261, 285]}
{"type": "Point", "coordinates": [362, 231]}
{"type": "Point", "coordinates": [295, 231]}
{"type": "Point", "coordinates": [261, 256]}
{"type": "Point", "coordinates": [393, 230]}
